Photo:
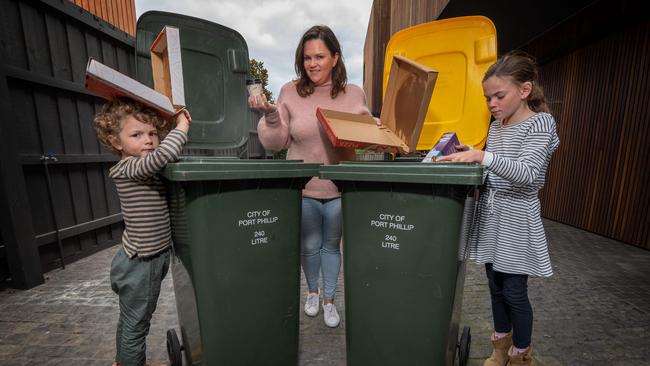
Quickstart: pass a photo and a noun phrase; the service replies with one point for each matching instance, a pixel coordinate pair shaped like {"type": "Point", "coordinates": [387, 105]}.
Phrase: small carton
{"type": "Point", "coordinates": [445, 146]}
{"type": "Point", "coordinates": [408, 93]}
{"type": "Point", "coordinates": [167, 66]}
{"type": "Point", "coordinates": [111, 84]}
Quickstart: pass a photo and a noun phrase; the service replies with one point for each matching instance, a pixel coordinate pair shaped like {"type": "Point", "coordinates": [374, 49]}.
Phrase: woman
{"type": "Point", "coordinates": [292, 124]}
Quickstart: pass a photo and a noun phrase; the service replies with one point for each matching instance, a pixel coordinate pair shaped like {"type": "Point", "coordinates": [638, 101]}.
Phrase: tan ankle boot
{"type": "Point", "coordinates": [500, 352]}
{"type": "Point", "coordinates": [522, 359]}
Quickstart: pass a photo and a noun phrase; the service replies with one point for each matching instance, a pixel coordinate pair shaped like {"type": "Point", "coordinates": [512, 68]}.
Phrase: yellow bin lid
{"type": "Point", "coordinates": [460, 49]}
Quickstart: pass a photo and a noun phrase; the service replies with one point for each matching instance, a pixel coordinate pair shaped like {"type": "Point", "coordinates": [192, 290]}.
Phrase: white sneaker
{"type": "Point", "coordinates": [330, 315]}
{"type": "Point", "coordinates": [311, 304]}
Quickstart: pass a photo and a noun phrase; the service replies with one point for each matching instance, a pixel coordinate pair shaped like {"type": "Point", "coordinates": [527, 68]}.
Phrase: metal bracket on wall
{"type": "Point", "coordinates": [46, 159]}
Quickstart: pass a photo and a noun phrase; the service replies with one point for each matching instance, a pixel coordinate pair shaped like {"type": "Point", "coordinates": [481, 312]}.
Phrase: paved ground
{"type": "Point", "coordinates": [594, 311]}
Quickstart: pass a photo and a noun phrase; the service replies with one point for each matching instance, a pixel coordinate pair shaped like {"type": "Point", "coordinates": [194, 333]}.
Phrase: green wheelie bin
{"type": "Point", "coordinates": [404, 230]}
{"type": "Point", "coordinates": [235, 223]}
{"type": "Point", "coordinates": [236, 268]}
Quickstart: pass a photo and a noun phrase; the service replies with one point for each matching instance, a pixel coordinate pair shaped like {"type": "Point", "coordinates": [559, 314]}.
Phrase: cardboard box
{"type": "Point", "coordinates": [408, 93]}
{"type": "Point", "coordinates": [167, 66]}
{"type": "Point", "coordinates": [111, 84]}
{"type": "Point", "coordinates": [446, 145]}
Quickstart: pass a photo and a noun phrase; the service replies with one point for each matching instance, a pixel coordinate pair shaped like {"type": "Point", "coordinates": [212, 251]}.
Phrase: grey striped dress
{"type": "Point", "coordinates": [143, 198]}
{"type": "Point", "coordinates": [508, 230]}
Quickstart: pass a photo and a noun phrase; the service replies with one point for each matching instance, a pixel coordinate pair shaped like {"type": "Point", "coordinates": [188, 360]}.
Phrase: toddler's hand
{"type": "Point", "coordinates": [463, 147]}
{"type": "Point", "coordinates": [183, 119]}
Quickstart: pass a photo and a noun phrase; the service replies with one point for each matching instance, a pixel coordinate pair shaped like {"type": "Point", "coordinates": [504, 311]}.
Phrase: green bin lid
{"type": "Point", "coordinates": [398, 172]}
{"type": "Point", "coordinates": [215, 69]}
{"type": "Point", "coordinates": [195, 169]}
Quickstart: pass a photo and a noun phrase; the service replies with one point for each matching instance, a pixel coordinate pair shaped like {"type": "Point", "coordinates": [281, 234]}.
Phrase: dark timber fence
{"type": "Point", "coordinates": [57, 203]}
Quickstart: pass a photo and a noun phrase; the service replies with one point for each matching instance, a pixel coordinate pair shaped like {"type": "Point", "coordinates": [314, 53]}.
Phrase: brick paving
{"type": "Point", "coordinates": [595, 310]}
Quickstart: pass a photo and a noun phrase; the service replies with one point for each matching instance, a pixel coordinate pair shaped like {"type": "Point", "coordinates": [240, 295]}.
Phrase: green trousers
{"type": "Point", "coordinates": [137, 282]}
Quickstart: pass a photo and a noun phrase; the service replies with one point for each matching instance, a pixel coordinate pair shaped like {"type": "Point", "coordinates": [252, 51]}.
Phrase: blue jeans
{"type": "Point", "coordinates": [320, 243]}
{"type": "Point", "coordinates": [511, 308]}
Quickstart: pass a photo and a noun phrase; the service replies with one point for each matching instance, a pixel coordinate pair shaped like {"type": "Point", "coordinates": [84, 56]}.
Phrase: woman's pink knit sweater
{"type": "Point", "coordinates": [295, 127]}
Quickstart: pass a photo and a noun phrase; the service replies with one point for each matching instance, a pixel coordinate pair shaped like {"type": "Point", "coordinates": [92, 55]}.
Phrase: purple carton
{"type": "Point", "coordinates": [445, 146]}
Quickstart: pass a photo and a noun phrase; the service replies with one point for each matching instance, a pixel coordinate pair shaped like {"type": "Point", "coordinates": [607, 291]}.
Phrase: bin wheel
{"type": "Point", "coordinates": [463, 346]}
{"type": "Point", "coordinates": [174, 349]}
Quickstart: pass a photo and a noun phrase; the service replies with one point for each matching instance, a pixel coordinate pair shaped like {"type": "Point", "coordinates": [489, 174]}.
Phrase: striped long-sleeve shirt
{"type": "Point", "coordinates": [508, 230]}
{"type": "Point", "coordinates": [143, 198]}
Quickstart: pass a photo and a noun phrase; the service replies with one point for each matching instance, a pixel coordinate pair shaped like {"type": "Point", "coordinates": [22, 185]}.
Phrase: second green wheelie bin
{"type": "Point", "coordinates": [403, 265]}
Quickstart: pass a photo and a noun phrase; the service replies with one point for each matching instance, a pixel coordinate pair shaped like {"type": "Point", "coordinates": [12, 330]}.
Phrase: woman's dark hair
{"type": "Point", "coordinates": [520, 67]}
{"type": "Point", "coordinates": [304, 85]}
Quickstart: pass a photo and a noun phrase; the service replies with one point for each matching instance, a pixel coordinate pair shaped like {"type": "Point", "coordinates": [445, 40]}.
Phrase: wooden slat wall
{"type": "Point", "coordinates": [45, 46]}
{"type": "Point", "coordinates": [386, 18]}
{"type": "Point", "coordinates": [374, 49]}
{"type": "Point", "coordinates": [120, 13]}
{"type": "Point", "coordinates": [407, 13]}
{"type": "Point", "coordinates": [600, 95]}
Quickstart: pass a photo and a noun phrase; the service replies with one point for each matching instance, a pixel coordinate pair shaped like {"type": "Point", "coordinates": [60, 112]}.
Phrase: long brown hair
{"type": "Point", "coordinates": [520, 67]}
{"type": "Point", "coordinates": [304, 85]}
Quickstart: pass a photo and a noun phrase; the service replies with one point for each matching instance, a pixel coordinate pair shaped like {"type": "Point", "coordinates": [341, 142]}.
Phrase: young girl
{"type": "Point", "coordinates": [508, 235]}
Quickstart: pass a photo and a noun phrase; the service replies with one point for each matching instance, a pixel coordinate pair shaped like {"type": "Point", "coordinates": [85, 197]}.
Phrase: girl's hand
{"type": "Point", "coordinates": [469, 156]}
{"type": "Point", "coordinates": [259, 103]}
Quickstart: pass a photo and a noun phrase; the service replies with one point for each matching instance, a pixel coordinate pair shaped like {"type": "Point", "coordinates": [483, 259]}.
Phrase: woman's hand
{"type": "Point", "coordinates": [259, 103]}
{"type": "Point", "coordinates": [468, 156]}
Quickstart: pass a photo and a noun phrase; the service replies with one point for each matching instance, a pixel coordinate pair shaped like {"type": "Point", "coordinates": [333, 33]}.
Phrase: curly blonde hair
{"type": "Point", "coordinates": [108, 122]}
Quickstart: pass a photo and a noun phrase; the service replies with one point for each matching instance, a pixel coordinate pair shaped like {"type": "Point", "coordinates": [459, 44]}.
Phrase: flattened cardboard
{"type": "Point", "coordinates": [356, 130]}
{"type": "Point", "coordinates": [167, 66]}
{"type": "Point", "coordinates": [111, 84]}
{"type": "Point", "coordinates": [409, 90]}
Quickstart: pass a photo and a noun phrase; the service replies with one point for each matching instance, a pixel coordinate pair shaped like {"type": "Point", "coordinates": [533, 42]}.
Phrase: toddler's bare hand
{"type": "Point", "coordinates": [183, 116]}
{"type": "Point", "coordinates": [183, 120]}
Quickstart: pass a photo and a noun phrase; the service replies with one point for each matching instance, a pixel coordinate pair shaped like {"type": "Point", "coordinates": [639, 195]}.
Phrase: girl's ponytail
{"type": "Point", "coordinates": [536, 101]}
{"type": "Point", "coordinates": [521, 67]}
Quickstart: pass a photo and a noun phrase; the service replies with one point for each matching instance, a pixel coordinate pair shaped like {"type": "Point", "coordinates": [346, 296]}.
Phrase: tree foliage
{"type": "Point", "coordinates": [258, 71]}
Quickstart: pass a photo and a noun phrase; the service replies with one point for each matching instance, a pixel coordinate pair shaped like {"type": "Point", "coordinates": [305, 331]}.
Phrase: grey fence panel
{"type": "Point", "coordinates": [45, 48]}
